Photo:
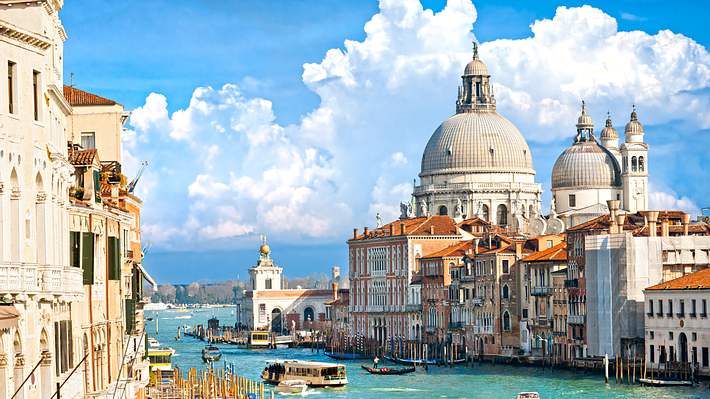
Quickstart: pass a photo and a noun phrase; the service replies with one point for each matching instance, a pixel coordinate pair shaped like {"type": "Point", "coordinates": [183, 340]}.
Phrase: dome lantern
{"type": "Point", "coordinates": [634, 129]}
{"type": "Point", "coordinates": [609, 136]}
{"type": "Point", "coordinates": [475, 93]}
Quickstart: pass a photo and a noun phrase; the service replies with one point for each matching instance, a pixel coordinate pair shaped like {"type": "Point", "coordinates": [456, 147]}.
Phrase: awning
{"type": "Point", "coordinates": [147, 276]}
{"type": "Point", "coordinates": [8, 316]}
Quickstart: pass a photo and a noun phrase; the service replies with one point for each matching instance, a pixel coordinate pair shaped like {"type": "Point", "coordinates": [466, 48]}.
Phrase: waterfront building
{"type": "Point", "coordinates": [623, 253]}
{"type": "Point", "coordinates": [41, 292]}
{"type": "Point", "coordinates": [589, 172]}
{"type": "Point", "coordinates": [413, 307]}
{"type": "Point", "coordinates": [438, 271]}
{"type": "Point", "coordinates": [269, 305]}
{"type": "Point", "coordinates": [477, 163]}
{"type": "Point", "coordinates": [547, 310]}
{"type": "Point", "coordinates": [676, 322]}
{"type": "Point", "coordinates": [337, 314]}
{"type": "Point", "coordinates": [382, 264]}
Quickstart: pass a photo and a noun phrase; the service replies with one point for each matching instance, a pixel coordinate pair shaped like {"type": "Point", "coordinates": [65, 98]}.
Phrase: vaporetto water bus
{"type": "Point", "coordinates": [315, 374]}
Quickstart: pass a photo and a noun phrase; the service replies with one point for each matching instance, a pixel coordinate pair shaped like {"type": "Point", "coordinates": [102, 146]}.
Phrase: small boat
{"type": "Point", "coordinates": [153, 343]}
{"type": "Point", "coordinates": [211, 353]}
{"type": "Point", "coordinates": [347, 356]}
{"type": "Point", "coordinates": [665, 383]}
{"type": "Point", "coordinates": [387, 370]}
{"type": "Point", "coordinates": [528, 395]}
{"type": "Point", "coordinates": [292, 386]}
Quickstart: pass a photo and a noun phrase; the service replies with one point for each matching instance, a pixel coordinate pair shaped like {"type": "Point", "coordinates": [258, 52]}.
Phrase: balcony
{"type": "Point", "coordinates": [703, 315]}
{"type": "Point", "coordinates": [693, 315]}
{"type": "Point", "coordinates": [649, 314]}
{"type": "Point", "coordinates": [669, 315]}
{"type": "Point", "coordinates": [430, 329]}
{"type": "Point", "coordinates": [659, 314]}
{"type": "Point", "coordinates": [680, 315]}
{"type": "Point", "coordinates": [456, 325]}
{"type": "Point", "coordinates": [477, 301]}
{"type": "Point", "coordinates": [19, 278]}
{"type": "Point", "coordinates": [575, 319]}
{"type": "Point", "coordinates": [572, 283]}
{"type": "Point", "coordinates": [541, 291]}
{"type": "Point", "coordinates": [413, 307]}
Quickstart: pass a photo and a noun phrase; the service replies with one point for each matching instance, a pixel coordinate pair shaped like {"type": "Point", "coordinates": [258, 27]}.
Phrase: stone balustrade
{"type": "Point", "coordinates": [27, 278]}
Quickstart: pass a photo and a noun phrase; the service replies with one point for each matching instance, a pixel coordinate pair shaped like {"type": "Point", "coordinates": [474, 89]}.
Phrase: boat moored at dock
{"type": "Point", "coordinates": [315, 374]}
{"type": "Point", "coordinates": [211, 353]}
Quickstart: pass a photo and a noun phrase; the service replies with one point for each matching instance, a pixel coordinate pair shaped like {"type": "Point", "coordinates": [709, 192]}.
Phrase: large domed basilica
{"type": "Point", "coordinates": [477, 163]}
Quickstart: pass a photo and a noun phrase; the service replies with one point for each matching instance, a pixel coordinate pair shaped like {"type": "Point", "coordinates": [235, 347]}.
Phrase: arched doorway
{"type": "Point", "coordinates": [308, 314]}
{"type": "Point", "coordinates": [502, 215]}
{"type": "Point", "coordinates": [683, 347]}
{"type": "Point", "coordinates": [276, 323]}
{"type": "Point", "coordinates": [443, 211]}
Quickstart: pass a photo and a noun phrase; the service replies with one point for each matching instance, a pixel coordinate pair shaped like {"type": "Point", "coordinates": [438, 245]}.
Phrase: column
{"type": "Point", "coordinates": [45, 375]}
{"type": "Point", "coordinates": [3, 377]}
{"type": "Point", "coordinates": [19, 376]}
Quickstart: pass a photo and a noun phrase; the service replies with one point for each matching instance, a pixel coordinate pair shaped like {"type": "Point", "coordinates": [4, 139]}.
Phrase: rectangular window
{"type": "Point", "coordinates": [506, 267]}
{"type": "Point", "coordinates": [650, 307]}
{"type": "Point", "coordinates": [267, 284]}
{"type": "Point", "coordinates": [681, 311]}
{"type": "Point", "coordinates": [130, 309]}
{"type": "Point", "coordinates": [572, 200]}
{"type": "Point", "coordinates": [704, 308]}
{"type": "Point", "coordinates": [88, 140]}
{"type": "Point", "coordinates": [705, 356]}
{"type": "Point", "coordinates": [670, 308]}
{"type": "Point", "coordinates": [11, 89]}
{"type": "Point", "coordinates": [75, 249]}
{"type": "Point", "coordinates": [652, 353]}
{"type": "Point", "coordinates": [693, 308]}
{"type": "Point", "coordinates": [660, 308]}
{"type": "Point", "coordinates": [36, 93]}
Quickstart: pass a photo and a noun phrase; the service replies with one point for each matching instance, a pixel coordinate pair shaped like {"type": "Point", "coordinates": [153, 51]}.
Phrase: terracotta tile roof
{"type": "Point", "coordinates": [555, 253]}
{"type": "Point", "coordinates": [637, 224]}
{"type": "Point", "coordinates": [456, 250]}
{"type": "Point", "coordinates": [419, 226]}
{"type": "Point", "coordinates": [82, 157]}
{"type": "Point", "coordinates": [699, 280]}
{"type": "Point", "coordinates": [78, 97]}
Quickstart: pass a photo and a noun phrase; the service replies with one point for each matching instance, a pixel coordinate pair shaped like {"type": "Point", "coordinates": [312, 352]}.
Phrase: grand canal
{"type": "Point", "coordinates": [481, 381]}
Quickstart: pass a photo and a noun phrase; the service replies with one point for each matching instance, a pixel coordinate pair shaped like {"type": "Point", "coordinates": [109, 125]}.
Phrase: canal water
{"type": "Point", "coordinates": [480, 381]}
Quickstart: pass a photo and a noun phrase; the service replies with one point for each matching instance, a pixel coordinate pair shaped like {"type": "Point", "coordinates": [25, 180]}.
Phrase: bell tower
{"type": "Point", "coordinates": [265, 275]}
{"type": "Point", "coordinates": [634, 171]}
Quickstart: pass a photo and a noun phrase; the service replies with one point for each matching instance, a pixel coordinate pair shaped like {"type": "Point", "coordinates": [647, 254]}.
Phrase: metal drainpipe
{"type": "Point", "coordinates": [91, 320]}
{"type": "Point", "coordinates": [106, 300]}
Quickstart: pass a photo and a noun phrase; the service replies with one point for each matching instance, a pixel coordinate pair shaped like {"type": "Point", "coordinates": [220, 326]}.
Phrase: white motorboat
{"type": "Point", "coordinates": [292, 386]}
{"type": "Point", "coordinates": [153, 343]}
{"type": "Point", "coordinates": [528, 395]}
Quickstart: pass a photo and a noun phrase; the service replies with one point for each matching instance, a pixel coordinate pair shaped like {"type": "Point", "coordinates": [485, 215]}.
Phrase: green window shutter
{"type": "Point", "coordinates": [114, 259]}
{"type": "Point", "coordinates": [87, 257]}
{"type": "Point", "coordinates": [97, 186]}
{"type": "Point", "coordinates": [130, 316]}
{"type": "Point", "coordinates": [74, 248]}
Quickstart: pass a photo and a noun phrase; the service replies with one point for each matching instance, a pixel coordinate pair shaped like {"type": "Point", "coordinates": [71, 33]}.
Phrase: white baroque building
{"type": "Point", "coordinates": [477, 163]}
{"type": "Point", "coordinates": [592, 171]}
{"type": "Point", "coordinates": [40, 292]}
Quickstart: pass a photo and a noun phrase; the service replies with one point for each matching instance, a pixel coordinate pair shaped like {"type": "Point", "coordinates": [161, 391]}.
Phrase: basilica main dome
{"type": "Point", "coordinates": [471, 142]}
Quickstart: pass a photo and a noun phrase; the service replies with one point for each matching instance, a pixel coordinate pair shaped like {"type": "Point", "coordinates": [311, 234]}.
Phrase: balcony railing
{"type": "Point", "coordinates": [17, 278]}
{"type": "Point", "coordinates": [669, 315]}
{"type": "Point", "coordinates": [413, 307]}
{"type": "Point", "coordinates": [680, 315]}
{"type": "Point", "coordinates": [693, 314]}
{"type": "Point", "coordinates": [456, 325]}
{"type": "Point", "coordinates": [649, 314]}
{"type": "Point", "coordinates": [541, 291]}
{"type": "Point", "coordinates": [478, 301]}
{"type": "Point", "coordinates": [572, 283]}
{"type": "Point", "coordinates": [575, 319]}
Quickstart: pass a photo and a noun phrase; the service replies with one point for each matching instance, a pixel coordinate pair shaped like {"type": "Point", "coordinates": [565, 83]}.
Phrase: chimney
{"type": "Point", "coordinates": [475, 245]}
{"type": "Point", "coordinates": [613, 208]}
{"type": "Point", "coordinates": [365, 231]}
{"type": "Point", "coordinates": [335, 290]}
{"type": "Point", "coordinates": [431, 229]}
{"type": "Point", "coordinates": [620, 219]}
{"type": "Point", "coordinates": [518, 249]}
{"type": "Point", "coordinates": [664, 227]}
{"type": "Point", "coordinates": [355, 233]}
{"type": "Point", "coordinates": [686, 221]}
{"type": "Point", "coordinates": [652, 219]}
{"type": "Point", "coordinates": [402, 229]}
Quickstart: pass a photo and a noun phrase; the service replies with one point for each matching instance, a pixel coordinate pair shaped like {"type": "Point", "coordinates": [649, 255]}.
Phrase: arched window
{"type": "Point", "coordinates": [530, 211]}
{"type": "Point", "coordinates": [502, 215]}
{"type": "Point", "coordinates": [308, 314]}
{"type": "Point", "coordinates": [506, 321]}
{"type": "Point", "coordinates": [443, 211]}
{"type": "Point", "coordinates": [641, 165]}
{"type": "Point", "coordinates": [626, 164]}
{"type": "Point", "coordinates": [506, 292]}
{"type": "Point", "coordinates": [633, 164]}
{"type": "Point", "coordinates": [485, 213]}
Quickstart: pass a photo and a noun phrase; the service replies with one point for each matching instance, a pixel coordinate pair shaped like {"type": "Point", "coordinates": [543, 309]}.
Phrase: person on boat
{"type": "Point", "coordinates": [376, 361]}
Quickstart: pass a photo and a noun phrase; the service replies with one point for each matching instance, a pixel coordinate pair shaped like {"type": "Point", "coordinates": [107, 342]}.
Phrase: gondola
{"type": "Point", "coordinates": [346, 356]}
{"type": "Point", "coordinates": [422, 362]}
{"type": "Point", "coordinates": [387, 370]}
{"type": "Point", "coordinates": [665, 383]}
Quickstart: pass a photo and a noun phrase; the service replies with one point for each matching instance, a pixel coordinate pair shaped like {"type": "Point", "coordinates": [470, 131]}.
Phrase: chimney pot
{"type": "Point", "coordinates": [652, 220]}
{"type": "Point", "coordinates": [402, 229]}
{"type": "Point", "coordinates": [686, 221]}
{"type": "Point", "coordinates": [355, 233]}
{"type": "Point", "coordinates": [365, 231]}
{"type": "Point", "coordinates": [431, 229]}
{"type": "Point", "coordinates": [620, 218]}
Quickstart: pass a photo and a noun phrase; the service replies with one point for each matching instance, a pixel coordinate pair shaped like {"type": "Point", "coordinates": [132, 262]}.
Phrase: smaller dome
{"type": "Point", "coordinates": [586, 164]}
{"type": "Point", "coordinates": [609, 133]}
{"type": "Point", "coordinates": [264, 249]}
{"type": "Point", "coordinates": [634, 126]}
{"type": "Point", "coordinates": [584, 121]}
{"type": "Point", "coordinates": [476, 67]}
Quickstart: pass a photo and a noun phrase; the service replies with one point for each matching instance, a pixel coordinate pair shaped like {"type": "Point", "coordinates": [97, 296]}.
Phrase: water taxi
{"type": "Point", "coordinates": [315, 374]}
{"type": "Point", "coordinates": [259, 340]}
{"type": "Point", "coordinates": [528, 395]}
{"type": "Point", "coordinates": [211, 353]}
{"type": "Point", "coordinates": [160, 359]}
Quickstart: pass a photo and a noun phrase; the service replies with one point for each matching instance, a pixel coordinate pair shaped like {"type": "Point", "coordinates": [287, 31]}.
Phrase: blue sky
{"type": "Point", "coordinates": [302, 119]}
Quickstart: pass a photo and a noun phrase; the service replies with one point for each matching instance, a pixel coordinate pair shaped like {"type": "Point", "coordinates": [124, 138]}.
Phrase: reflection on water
{"type": "Point", "coordinates": [481, 381]}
